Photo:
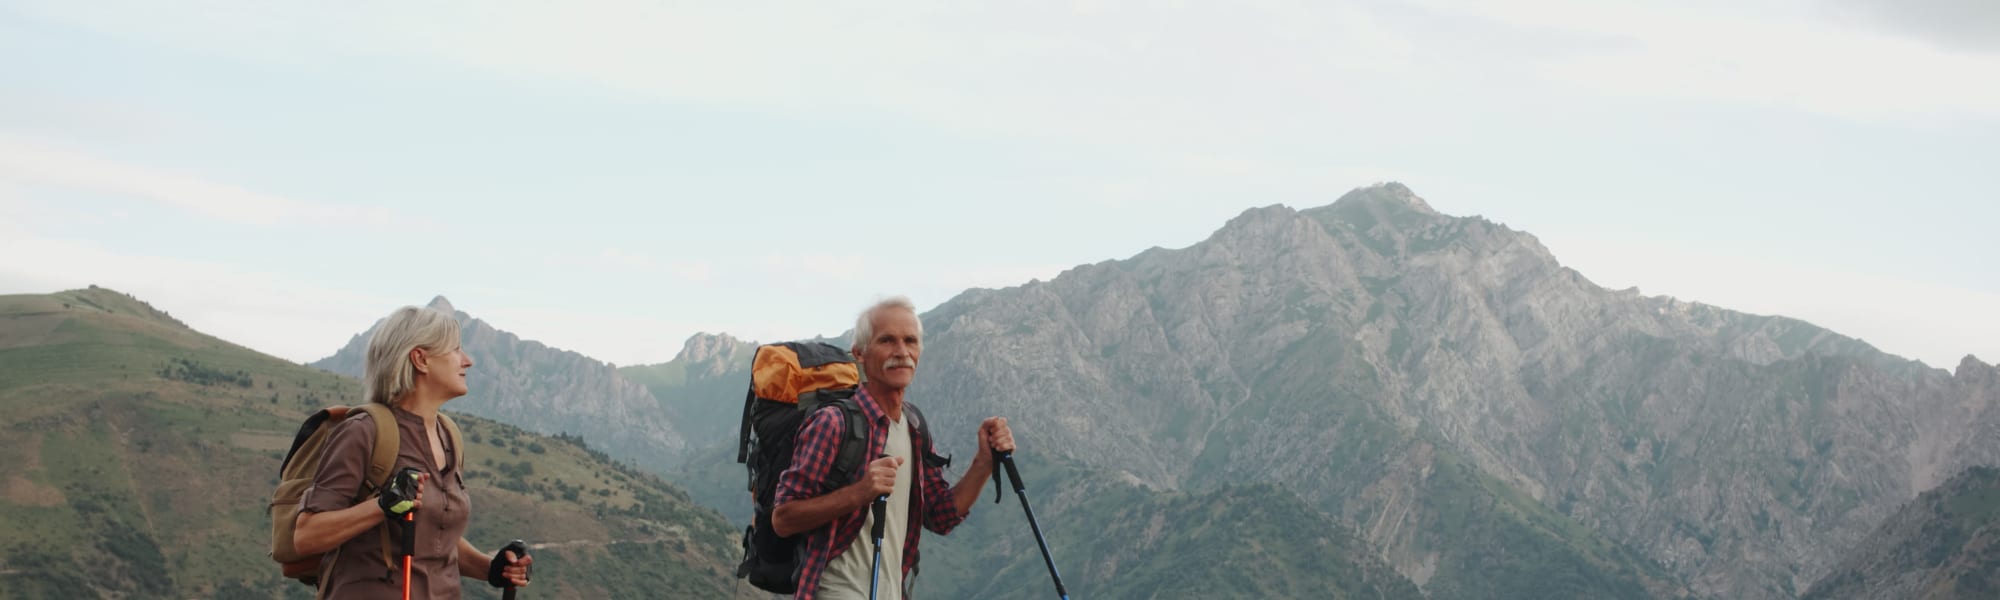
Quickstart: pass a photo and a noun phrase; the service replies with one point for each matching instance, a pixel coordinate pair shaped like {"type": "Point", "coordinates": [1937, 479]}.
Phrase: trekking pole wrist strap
{"type": "Point", "coordinates": [1007, 459]}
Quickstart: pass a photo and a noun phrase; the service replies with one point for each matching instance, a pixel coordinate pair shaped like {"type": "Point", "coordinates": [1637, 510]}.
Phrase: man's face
{"type": "Point", "coordinates": [891, 356]}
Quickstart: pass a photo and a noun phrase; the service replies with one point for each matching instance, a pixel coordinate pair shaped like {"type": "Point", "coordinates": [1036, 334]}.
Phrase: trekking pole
{"type": "Point", "coordinates": [875, 576]}
{"type": "Point", "coordinates": [880, 509]}
{"type": "Point", "coordinates": [402, 488]}
{"type": "Point", "coordinates": [409, 547]}
{"type": "Point", "coordinates": [1006, 459]}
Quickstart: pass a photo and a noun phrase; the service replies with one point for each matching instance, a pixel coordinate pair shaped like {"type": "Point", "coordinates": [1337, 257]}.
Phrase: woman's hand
{"type": "Point", "coordinates": [403, 493]}
{"type": "Point", "coordinates": [516, 571]}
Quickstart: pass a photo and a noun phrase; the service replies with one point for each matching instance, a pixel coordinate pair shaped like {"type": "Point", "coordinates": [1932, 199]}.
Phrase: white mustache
{"type": "Point", "coordinates": [899, 362]}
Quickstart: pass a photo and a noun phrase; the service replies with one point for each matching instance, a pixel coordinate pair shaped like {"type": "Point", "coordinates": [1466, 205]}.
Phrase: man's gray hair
{"type": "Point", "coordinates": [388, 372]}
{"type": "Point", "coordinates": [864, 325]}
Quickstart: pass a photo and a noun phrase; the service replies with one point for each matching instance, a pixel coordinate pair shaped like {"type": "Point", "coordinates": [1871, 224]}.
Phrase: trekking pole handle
{"type": "Point", "coordinates": [520, 550]}
{"type": "Point", "coordinates": [1000, 458]}
{"type": "Point", "coordinates": [409, 531]}
{"type": "Point", "coordinates": [880, 507]}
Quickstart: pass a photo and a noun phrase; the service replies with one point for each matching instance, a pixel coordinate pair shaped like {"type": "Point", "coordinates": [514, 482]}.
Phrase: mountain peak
{"type": "Point", "coordinates": [442, 304]}
{"type": "Point", "coordinates": [1971, 365]}
{"type": "Point", "coordinates": [1391, 192]}
{"type": "Point", "coordinates": [703, 346]}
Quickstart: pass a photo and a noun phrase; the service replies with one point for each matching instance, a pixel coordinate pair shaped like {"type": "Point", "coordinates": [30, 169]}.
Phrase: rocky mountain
{"type": "Point", "coordinates": [1396, 366]}
{"type": "Point", "coordinates": [1943, 545]}
{"type": "Point", "coordinates": [137, 459]}
{"type": "Point", "coordinates": [549, 391]}
{"type": "Point", "coordinates": [1112, 538]}
{"type": "Point", "coordinates": [1489, 422]}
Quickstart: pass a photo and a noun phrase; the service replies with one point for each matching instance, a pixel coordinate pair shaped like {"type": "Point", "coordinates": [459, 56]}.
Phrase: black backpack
{"type": "Point", "coordinates": [788, 382]}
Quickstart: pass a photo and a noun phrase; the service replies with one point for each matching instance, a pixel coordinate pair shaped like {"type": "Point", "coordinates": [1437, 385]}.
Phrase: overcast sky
{"type": "Point", "coordinates": [611, 177]}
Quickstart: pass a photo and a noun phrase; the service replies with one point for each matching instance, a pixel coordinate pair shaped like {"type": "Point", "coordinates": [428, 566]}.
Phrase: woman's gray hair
{"type": "Point", "coordinates": [389, 373]}
{"type": "Point", "coordinates": [864, 325]}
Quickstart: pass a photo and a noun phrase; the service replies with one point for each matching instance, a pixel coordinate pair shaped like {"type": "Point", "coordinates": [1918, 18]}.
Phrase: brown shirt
{"type": "Point", "coordinates": [355, 570]}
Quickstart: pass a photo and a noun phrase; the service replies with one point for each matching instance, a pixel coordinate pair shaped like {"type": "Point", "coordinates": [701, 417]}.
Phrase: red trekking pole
{"type": "Point", "coordinates": [409, 548]}
{"type": "Point", "coordinates": [398, 499]}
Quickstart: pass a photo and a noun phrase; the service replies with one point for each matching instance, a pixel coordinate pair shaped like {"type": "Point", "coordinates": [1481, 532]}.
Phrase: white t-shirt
{"type": "Point", "coordinates": [848, 574]}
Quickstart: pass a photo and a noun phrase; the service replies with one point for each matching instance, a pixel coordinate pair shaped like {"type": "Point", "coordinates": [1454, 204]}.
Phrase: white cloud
{"type": "Point", "coordinates": [1751, 53]}
{"type": "Point", "coordinates": [1124, 75]}
{"type": "Point", "coordinates": [1971, 24]}
{"type": "Point", "coordinates": [1149, 81]}
{"type": "Point", "coordinates": [28, 162]}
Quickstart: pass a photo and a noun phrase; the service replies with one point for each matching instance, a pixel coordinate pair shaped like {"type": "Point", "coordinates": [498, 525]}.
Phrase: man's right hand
{"type": "Point", "coordinates": [880, 478]}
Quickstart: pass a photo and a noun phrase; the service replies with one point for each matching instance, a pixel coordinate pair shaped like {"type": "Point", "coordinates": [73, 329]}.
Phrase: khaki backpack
{"type": "Point", "coordinates": [301, 465]}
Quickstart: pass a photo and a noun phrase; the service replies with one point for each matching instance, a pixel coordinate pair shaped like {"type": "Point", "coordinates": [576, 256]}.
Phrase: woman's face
{"type": "Point", "coordinates": [446, 370]}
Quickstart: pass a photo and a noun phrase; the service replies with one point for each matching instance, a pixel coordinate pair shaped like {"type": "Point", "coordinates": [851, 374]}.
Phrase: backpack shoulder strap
{"type": "Point", "coordinates": [387, 443]}
{"type": "Point", "coordinates": [381, 460]}
{"type": "Point", "coordinates": [922, 427]}
{"type": "Point", "coordinates": [743, 427]}
{"type": "Point", "coordinates": [853, 452]}
{"type": "Point", "coordinates": [457, 448]}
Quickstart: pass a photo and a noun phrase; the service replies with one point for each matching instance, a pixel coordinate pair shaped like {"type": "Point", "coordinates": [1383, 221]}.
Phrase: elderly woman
{"type": "Point", "coordinates": [414, 366]}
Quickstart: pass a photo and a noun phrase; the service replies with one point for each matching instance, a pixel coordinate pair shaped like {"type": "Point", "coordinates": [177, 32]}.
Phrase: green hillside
{"type": "Point", "coordinates": [703, 392]}
{"type": "Point", "coordinates": [139, 455]}
{"type": "Point", "coordinates": [709, 406]}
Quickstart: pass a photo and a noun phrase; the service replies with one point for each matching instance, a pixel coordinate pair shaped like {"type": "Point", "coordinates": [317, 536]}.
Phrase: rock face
{"type": "Point", "coordinates": [548, 390]}
{"type": "Point", "coordinates": [711, 355]}
{"type": "Point", "coordinates": [1490, 422]}
{"type": "Point", "coordinates": [1353, 352]}
{"type": "Point", "coordinates": [1943, 545]}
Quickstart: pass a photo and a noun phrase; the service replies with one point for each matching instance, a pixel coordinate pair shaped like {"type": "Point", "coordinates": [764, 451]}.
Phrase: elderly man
{"type": "Point", "coordinates": [837, 557]}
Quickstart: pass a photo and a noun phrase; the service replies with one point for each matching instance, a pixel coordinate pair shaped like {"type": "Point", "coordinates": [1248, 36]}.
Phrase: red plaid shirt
{"type": "Point", "coordinates": [812, 460]}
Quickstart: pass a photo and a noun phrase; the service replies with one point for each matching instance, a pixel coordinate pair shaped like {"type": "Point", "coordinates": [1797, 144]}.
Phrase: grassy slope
{"type": "Point", "coordinates": [138, 458]}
